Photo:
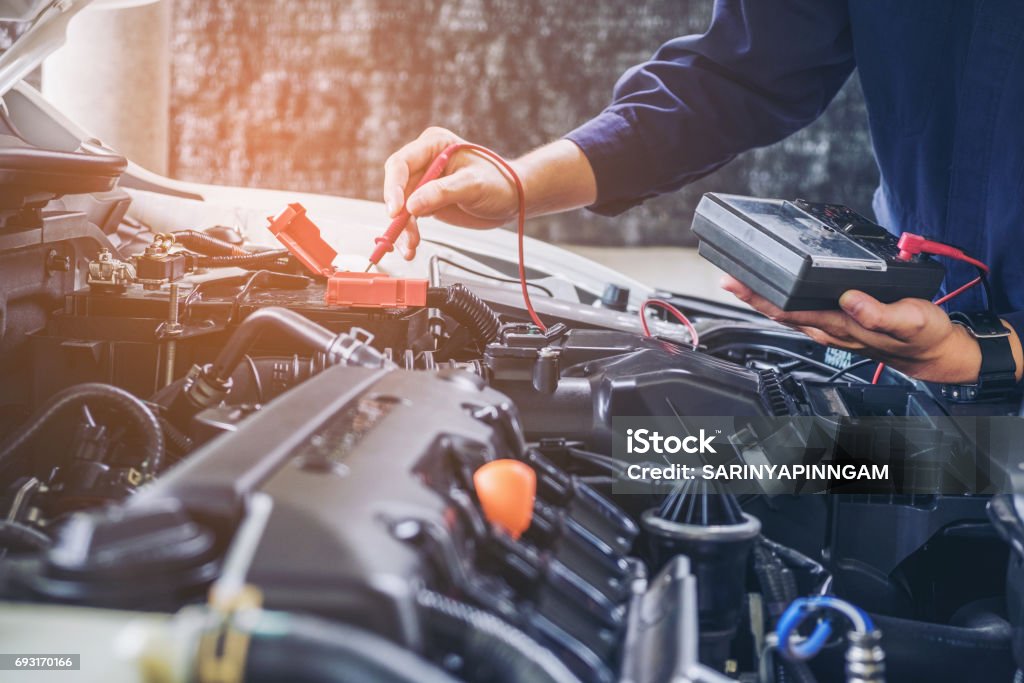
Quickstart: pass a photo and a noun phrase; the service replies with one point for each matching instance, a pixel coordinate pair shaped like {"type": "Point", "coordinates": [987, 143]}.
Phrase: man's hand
{"type": "Point", "coordinates": [473, 193]}
{"type": "Point", "coordinates": [912, 335]}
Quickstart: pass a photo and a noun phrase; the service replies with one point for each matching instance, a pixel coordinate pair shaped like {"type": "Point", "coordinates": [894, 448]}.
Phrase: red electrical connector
{"type": "Point", "coordinates": [363, 290]}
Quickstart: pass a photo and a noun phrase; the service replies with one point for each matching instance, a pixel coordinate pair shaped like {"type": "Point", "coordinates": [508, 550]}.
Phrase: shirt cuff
{"type": "Point", "coordinates": [615, 152]}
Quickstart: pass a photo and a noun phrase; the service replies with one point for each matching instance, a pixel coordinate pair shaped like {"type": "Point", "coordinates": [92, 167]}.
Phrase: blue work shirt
{"type": "Point", "coordinates": [944, 85]}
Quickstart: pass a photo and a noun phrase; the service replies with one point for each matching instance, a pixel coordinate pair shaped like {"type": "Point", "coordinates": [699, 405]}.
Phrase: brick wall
{"type": "Point", "coordinates": [314, 95]}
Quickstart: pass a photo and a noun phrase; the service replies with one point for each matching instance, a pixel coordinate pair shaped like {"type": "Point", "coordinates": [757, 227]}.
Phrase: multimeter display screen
{"type": "Point", "coordinates": [804, 234]}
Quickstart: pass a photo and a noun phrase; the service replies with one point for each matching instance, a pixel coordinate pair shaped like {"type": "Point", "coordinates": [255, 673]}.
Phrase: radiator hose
{"type": "Point", "coordinates": [142, 419]}
{"type": "Point", "coordinates": [466, 308]}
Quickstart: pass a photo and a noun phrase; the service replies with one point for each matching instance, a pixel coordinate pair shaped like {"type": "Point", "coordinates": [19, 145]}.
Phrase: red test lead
{"type": "Point", "coordinates": [911, 245]}
{"type": "Point", "coordinates": [386, 242]}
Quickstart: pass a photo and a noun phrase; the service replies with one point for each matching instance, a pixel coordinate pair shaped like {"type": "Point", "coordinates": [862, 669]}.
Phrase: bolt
{"type": "Point", "coordinates": [173, 328]}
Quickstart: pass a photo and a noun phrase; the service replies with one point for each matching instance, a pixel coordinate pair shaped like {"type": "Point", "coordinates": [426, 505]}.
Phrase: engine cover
{"type": "Point", "coordinates": [370, 474]}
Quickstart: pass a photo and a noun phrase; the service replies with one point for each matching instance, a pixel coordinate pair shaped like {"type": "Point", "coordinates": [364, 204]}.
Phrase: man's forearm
{"type": "Point", "coordinates": [557, 177]}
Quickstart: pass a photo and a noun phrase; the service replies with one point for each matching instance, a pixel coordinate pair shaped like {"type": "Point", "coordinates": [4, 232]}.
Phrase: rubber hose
{"type": "Point", "coordinates": [305, 649]}
{"type": "Point", "coordinates": [22, 537]}
{"type": "Point", "coordinates": [497, 651]}
{"type": "Point", "coordinates": [250, 260]}
{"type": "Point", "coordinates": [194, 240]}
{"type": "Point", "coordinates": [120, 400]}
{"type": "Point", "coordinates": [467, 308]}
{"type": "Point", "coordinates": [296, 327]}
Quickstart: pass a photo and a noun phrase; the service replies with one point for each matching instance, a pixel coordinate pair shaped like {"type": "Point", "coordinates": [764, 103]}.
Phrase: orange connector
{"type": "Point", "coordinates": [302, 238]}
{"type": "Point", "coordinates": [371, 290]}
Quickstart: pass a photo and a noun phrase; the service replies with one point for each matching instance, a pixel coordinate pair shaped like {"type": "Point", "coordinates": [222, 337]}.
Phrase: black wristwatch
{"type": "Point", "coordinates": [998, 374]}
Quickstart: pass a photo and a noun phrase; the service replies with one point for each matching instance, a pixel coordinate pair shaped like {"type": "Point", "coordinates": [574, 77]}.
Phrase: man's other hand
{"type": "Point", "coordinates": [912, 335]}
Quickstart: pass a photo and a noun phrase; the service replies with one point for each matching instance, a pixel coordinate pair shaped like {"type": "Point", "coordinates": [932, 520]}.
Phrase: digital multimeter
{"type": "Point", "coordinates": [802, 256]}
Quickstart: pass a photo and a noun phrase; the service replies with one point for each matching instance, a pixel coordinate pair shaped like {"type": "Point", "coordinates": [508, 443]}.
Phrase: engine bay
{"type": "Point", "coordinates": [406, 477]}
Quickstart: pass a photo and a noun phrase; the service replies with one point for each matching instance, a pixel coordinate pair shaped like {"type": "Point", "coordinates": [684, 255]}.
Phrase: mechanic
{"type": "Point", "coordinates": [944, 85]}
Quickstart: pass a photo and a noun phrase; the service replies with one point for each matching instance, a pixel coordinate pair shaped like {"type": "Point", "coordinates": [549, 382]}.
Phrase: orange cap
{"type": "Point", "coordinates": [506, 489]}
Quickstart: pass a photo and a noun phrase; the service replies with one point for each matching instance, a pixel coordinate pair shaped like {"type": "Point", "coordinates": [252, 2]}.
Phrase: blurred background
{"type": "Point", "coordinates": [313, 95]}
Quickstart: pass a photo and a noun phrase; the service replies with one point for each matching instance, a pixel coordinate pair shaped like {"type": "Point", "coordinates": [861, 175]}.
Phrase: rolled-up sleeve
{"type": "Point", "coordinates": [761, 71]}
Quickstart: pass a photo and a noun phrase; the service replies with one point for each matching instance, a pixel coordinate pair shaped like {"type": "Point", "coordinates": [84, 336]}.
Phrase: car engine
{"type": "Point", "coordinates": [422, 485]}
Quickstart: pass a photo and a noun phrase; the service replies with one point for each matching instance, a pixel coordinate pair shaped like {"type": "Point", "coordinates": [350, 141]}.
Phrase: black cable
{"type": "Point", "coordinates": [988, 289]}
{"type": "Point", "coordinates": [124, 404]}
{"type": "Point", "coordinates": [859, 364]}
{"type": "Point", "coordinates": [496, 278]}
{"type": "Point", "coordinates": [248, 282]}
{"type": "Point", "coordinates": [265, 279]}
{"type": "Point", "coordinates": [254, 259]}
{"type": "Point", "coordinates": [180, 441]}
{"type": "Point", "coordinates": [459, 302]}
{"type": "Point", "coordinates": [208, 245]}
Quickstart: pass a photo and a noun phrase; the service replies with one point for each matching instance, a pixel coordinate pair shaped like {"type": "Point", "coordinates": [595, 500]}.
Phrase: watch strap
{"type": "Point", "coordinates": [998, 368]}
{"type": "Point", "coordinates": [997, 374]}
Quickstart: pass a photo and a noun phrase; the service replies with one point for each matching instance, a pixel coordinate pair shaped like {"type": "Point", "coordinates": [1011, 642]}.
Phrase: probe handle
{"type": "Point", "coordinates": [386, 242]}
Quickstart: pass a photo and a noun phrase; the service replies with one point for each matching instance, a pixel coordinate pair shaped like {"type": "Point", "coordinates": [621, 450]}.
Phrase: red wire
{"type": "Point", "coordinates": [941, 300]}
{"type": "Point", "coordinates": [878, 373]}
{"type": "Point", "coordinates": [694, 337]}
{"type": "Point", "coordinates": [958, 291]}
{"type": "Point", "coordinates": [497, 159]}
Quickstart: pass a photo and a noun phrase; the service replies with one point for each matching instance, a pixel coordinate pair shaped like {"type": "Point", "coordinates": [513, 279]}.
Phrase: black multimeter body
{"type": "Point", "coordinates": [802, 256]}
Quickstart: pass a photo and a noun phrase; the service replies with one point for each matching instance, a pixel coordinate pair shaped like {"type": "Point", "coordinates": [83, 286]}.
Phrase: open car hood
{"type": "Point", "coordinates": [41, 26]}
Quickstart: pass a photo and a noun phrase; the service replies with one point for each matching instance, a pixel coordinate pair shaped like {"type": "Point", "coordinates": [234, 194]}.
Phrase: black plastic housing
{"type": "Point", "coordinates": [802, 256]}
{"type": "Point", "coordinates": [117, 337]}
